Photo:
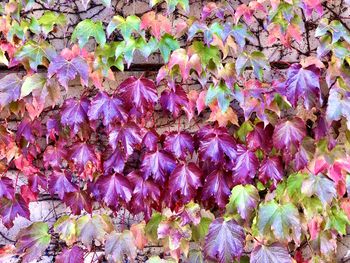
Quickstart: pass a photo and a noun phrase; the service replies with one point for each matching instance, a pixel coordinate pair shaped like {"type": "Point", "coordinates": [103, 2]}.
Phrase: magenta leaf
{"type": "Point", "coordinates": [246, 165]}
{"type": "Point", "coordinates": [72, 255]}
{"type": "Point", "coordinates": [179, 144]}
{"type": "Point", "coordinates": [275, 253]}
{"type": "Point", "coordinates": [289, 133]}
{"type": "Point", "coordinates": [260, 137]}
{"type": "Point", "coordinates": [29, 130]}
{"type": "Point", "coordinates": [68, 70]}
{"type": "Point", "coordinates": [54, 155]}
{"type": "Point", "coordinates": [185, 180]}
{"type": "Point", "coordinates": [224, 241]}
{"type": "Point", "coordinates": [158, 164]}
{"type": "Point", "coordinates": [110, 108]}
{"type": "Point", "coordinates": [128, 135]}
{"type": "Point", "coordinates": [6, 187]}
{"type": "Point", "coordinates": [10, 89]}
{"type": "Point", "coordinates": [74, 113]}
{"type": "Point", "coordinates": [271, 169]}
{"type": "Point", "coordinates": [303, 83]}
{"type": "Point", "coordinates": [113, 188]}
{"type": "Point", "coordinates": [81, 154]}
{"type": "Point", "coordinates": [217, 187]}
{"type": "Point", "coordinates": [60, 184]}
{"type": "Point", "coordinates": [145, 196]}
{"type": "Point", "coordinates": [115, 162]}
{"type": "Point", "coordinates": [174, 100]}
{"type": "Point", "coordinates": [150, 140]}
{"type": "Point", "coordinates": [77, 201]}
{"type": "Point", "coordinates": [139, 93]}
{"type": "Point", "coordinates": [11, 208]}
{"type": "Point", "coordinates": [215, 144]}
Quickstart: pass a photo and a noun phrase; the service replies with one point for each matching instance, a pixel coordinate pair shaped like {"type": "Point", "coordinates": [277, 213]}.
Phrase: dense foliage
{"type": "Point", "coordinates": [250, 165]}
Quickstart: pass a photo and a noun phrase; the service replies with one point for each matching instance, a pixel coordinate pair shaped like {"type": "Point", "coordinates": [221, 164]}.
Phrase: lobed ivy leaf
{"type": "Point", "coordinates": [303, 83]}
{"type": "Point", "coordinates": [140, 93]}
{"type": "Point", "coordinates": [244, 199]}
{"type": "Point", "coordinates": [74, 113]}
{"type": "Point", "coordinates": [179, 144]}
{"type": "Point", "coordinates": [289, 133]}
{"type": "Point", "coordinates": [166, 45]}
{"type": "Point", "coordinates": [256, 60]}
{"type": "Point", "coordinates": [60, 183]}
{"type": "Point", "coordinates": [126, 26]}
{"type": "Point", "coordinates": [11, 208]}
{"type": "Point", "coordinates": [119, 245]}
{"type": "Point", "coordinates": [33, 241]}
{"type": "Point", "coordinates": [78, 201]}
{"type": "Point", "coordinates": [185, 180]}
{"type": "Point", "coordinates": [6, 188]}
{"type": "Point", "coordinates": [274, 253]}
{"type": "Point", "coordinates": [10, 89]}
{"type": "Point", "coordinates": [174, 100]}
{"type": "Point", "coordinates": [224, 241]}
{"type": "Point", "coordinates": [246, 165]}
{"type": "Point", "coordinates": [71, 255]}
{"type": "Point", "coordinates": [157, 23]}
{"type": "Point", "coordinates": [221, 93]}
{"type": "Point", "coordinates": [109, 107]}
{"type": "Point", "coordinates": [280, 220]}
{"type": "Point", "coordinates": [88, 28]}
{"type": "Point", "coordinates": [271, 168]}
{"type": "Point", "coordinates": [49, 19]}
{"type": "Point", "coordinates": [66, 227]}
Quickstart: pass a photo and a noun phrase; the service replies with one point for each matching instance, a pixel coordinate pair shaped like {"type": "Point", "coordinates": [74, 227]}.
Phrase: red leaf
{"type": "Point", "coordinates": [82, 154]}
{"type": "Point", "coordinates": [260, 137]}
{"type": "Point", "coordinates": [77, 201]}
{"type": "Point", "coordinates": [139, 93]}
{"type": "Point", "coordinates": [11, 208]}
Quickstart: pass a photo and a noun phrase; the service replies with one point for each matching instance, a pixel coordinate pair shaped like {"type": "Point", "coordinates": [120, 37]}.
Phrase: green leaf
{"type": "Point", "coordinates": [337, 219]}
{"type": "Point", "coordinates": [200, 231]}
{"type": "Point", "coordinates": [206, 54]}
{"type": "Point", "coordinates": [88, 28]}
{"type": "Point", "coordinates": [147, 48]}
{"type": "Point", "coordinates": [244, 129]}
{"type": "Point", "coordinates": [34, 53]}
{"type": "Point", "coordinates": [220, 92]}
{"type": "Point", "coordinates": [36, 81]}
{"type": "Point", "coordinates": [151, 228]}
{"type": "Point", "coordinates": [279, 221]}
{"type": "Point", "coordinates": [243, 199]}
{"type": "Point", "coordinates": [49, 19]}
{"type": "Point", "coordinates": [294, 183]}
{"type": "Point", "coordinates": [126, 26]}
{"type": "Point", "coordinates": [167, 44]}
{"type": "Point", "coordinates": [65, 226]}
{"type": "Point", "coordinates": [33, 241]}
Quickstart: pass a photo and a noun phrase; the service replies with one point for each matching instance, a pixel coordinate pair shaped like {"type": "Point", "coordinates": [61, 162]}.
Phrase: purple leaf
{"type": "Point", "coordinates": [150, 140]}
{"type": "Point", "coordinates": [139, 93]}
{"type": "Point", "coordinates": [6, 187]}
{"type": "Point", "coordinates": [173, 101]}
{"type": "Point", "coordinates": [115, 162]}
{"type": "Point", "coordinates": [303, 83]}
{"type": "Point", "coordinates": [271, 169]}
{"type": "Point", "coordinates": [28, 129]}
{"type": "Point", "coordinates": [74, 113]}
{"type": "Point", "coordinates": [114, 188]}
{"type": "Point", "coordinates": [82, 153]}
{"type": "Point", "coordinates": [246, 165]}
{"type": "Point", "coordinates": [185, 179]}
{"type": "Point", "coordinates": [215, 144]}
{"type": "Point", "coordinates": [10, 89]}
{"type": "Point", "coordinates": [179, 144]}
{"type": "Point", "coordinates": [217, 187]}
{"type": "Point", "coordinates": [54, 155]}
{"type": "Point", "coordinates": [11, 208]}
{"type": "Point", "coordinates": [145, 196]}
{"type": "Point", "coordinates": [68, 70]}
{"type": "Point", "coordinates": [289, 133]}
{"type": "Point", "coordinates": [224, 241]}
{"type": "Point", "coordinates": [110, 108]}
{"type": "Point", "coordinates": [158, 164]}
{"type": "Point", "coordinates": [260, 137]}
{"type": "Point", "coordinates": [60, 184]}
{"type": "Point", "coordinates": [73, 255]}
{"type": "Point", "coordinates": [128, 135]}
